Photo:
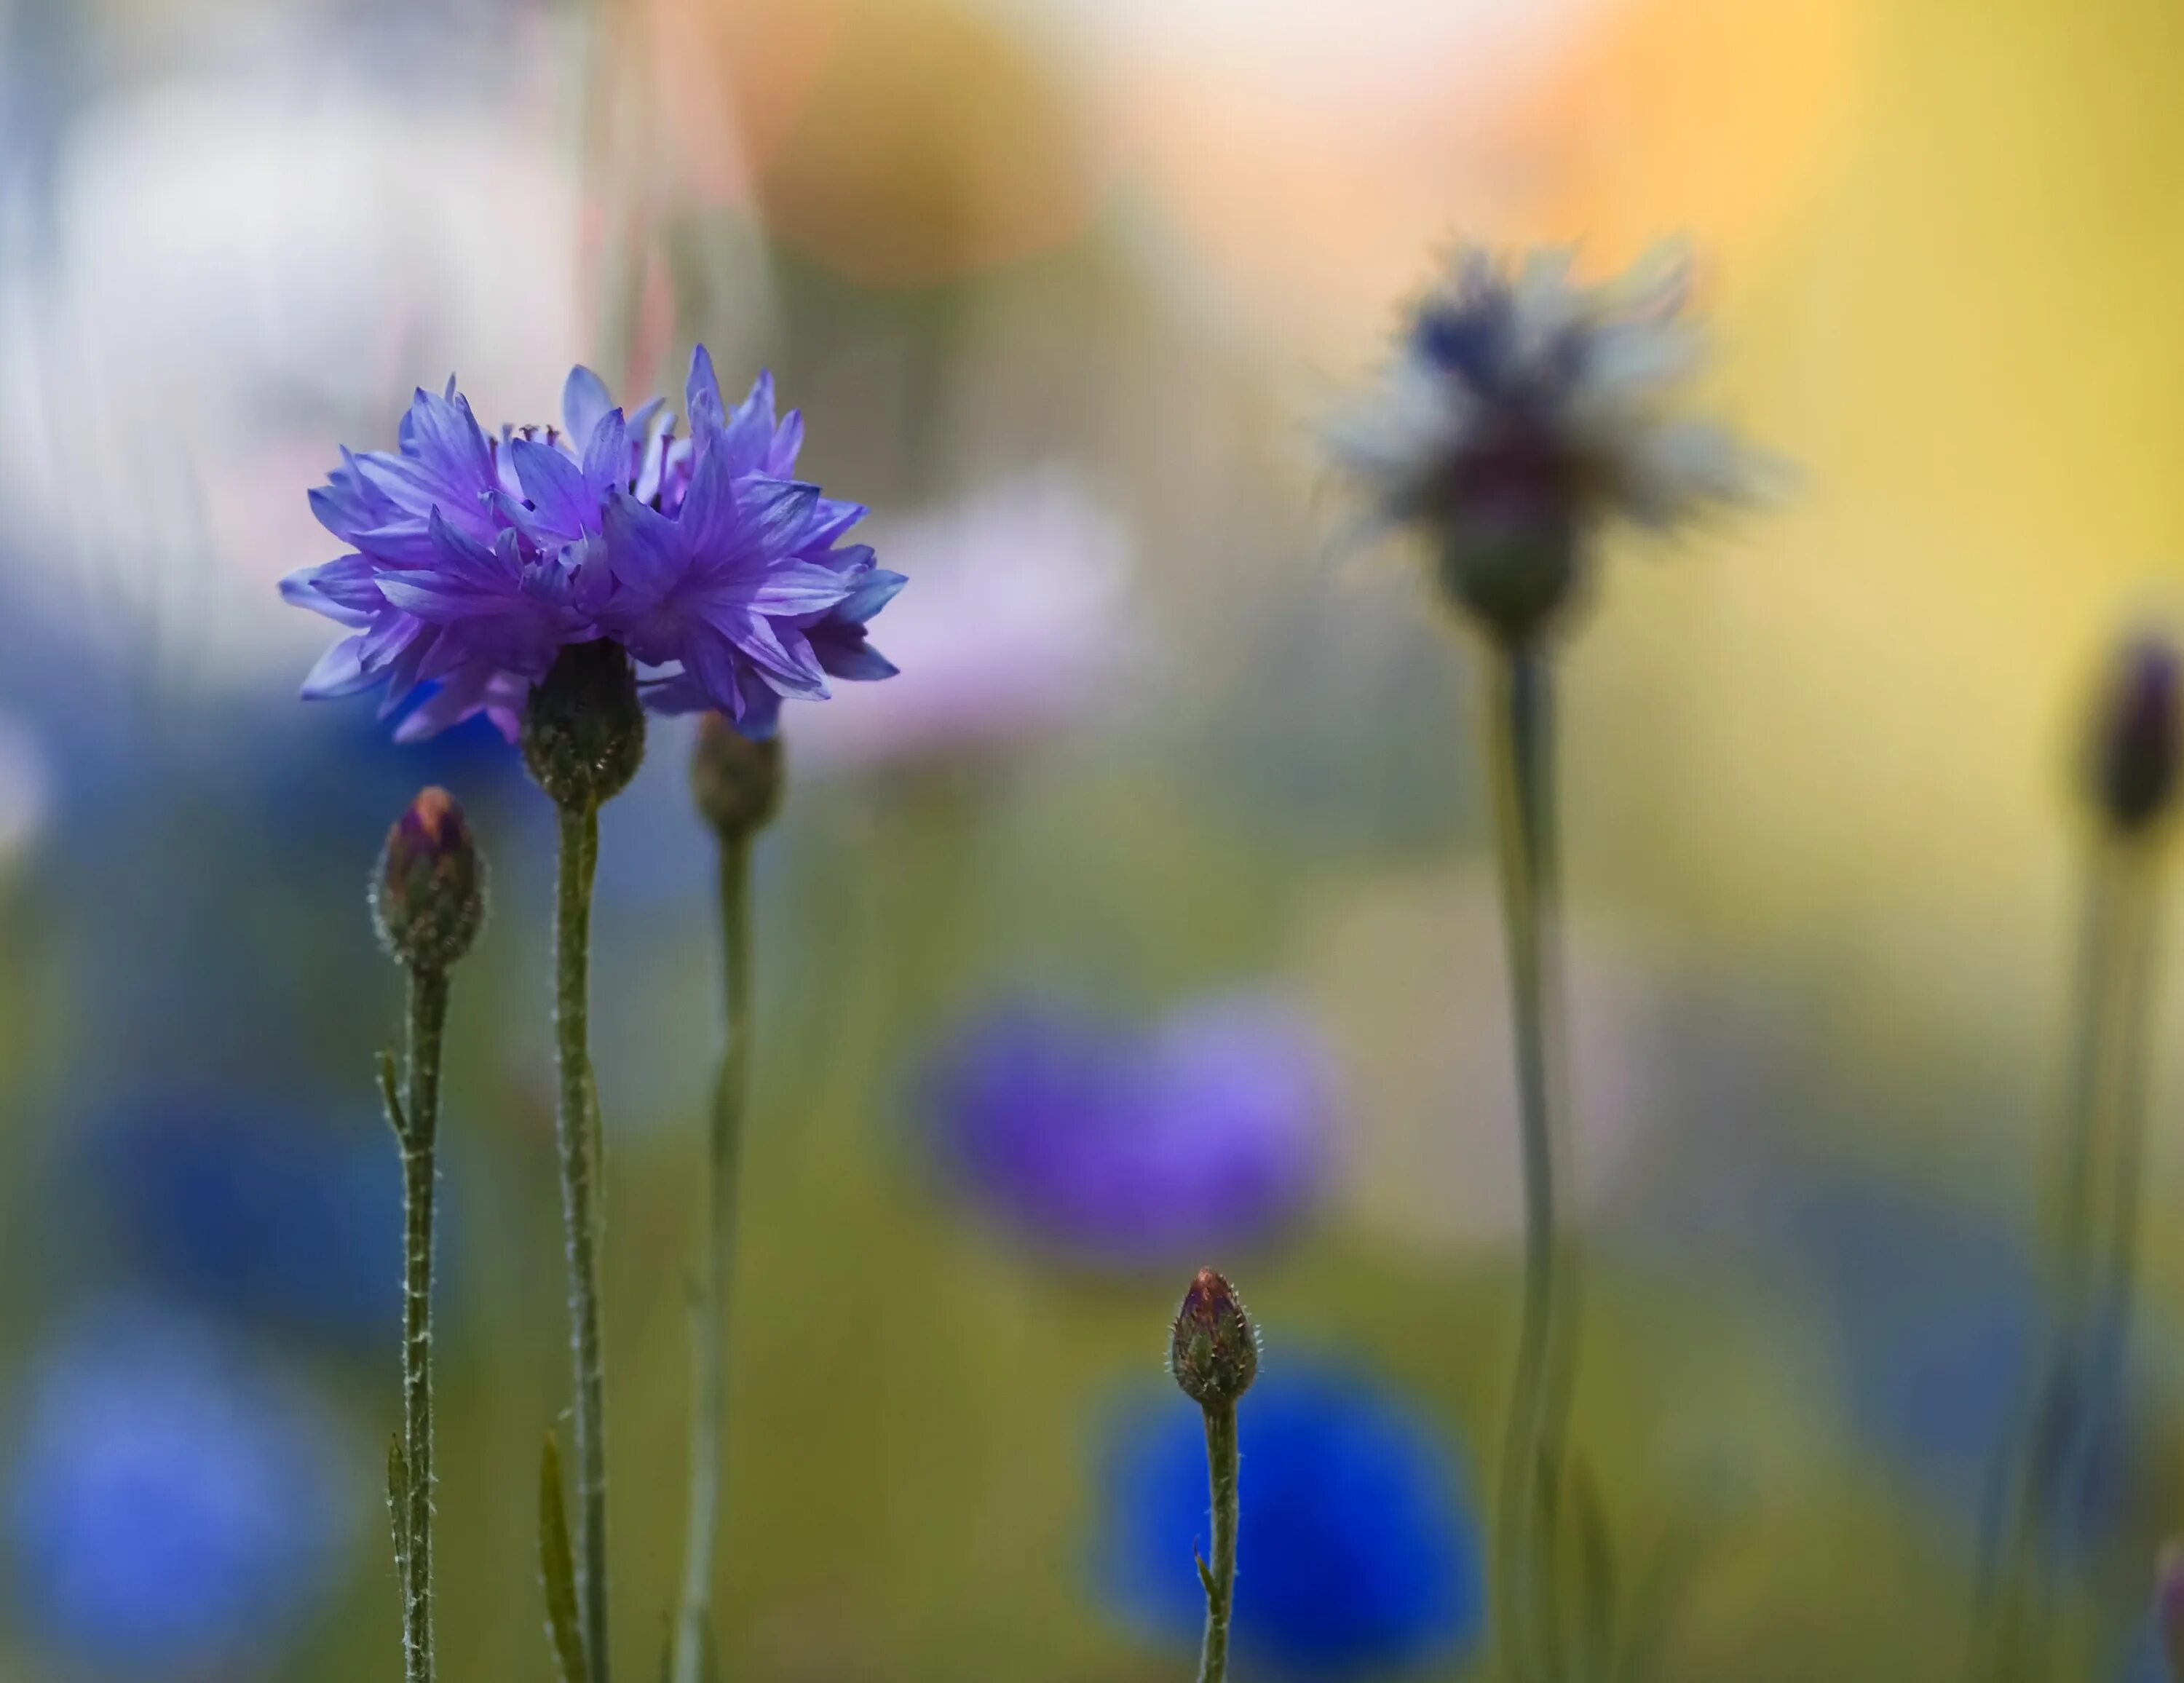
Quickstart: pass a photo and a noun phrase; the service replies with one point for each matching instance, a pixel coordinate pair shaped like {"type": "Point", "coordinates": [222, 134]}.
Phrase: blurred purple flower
{"type": "Point", "coordinates": [1210, 1131]}
{"type": "Point", "coordinates": [170, 1511]}
{"type": "Point", "coordinates": [475, 560]}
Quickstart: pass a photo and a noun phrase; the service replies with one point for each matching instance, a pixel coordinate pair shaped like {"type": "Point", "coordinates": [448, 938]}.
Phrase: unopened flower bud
{"type": "Point", "coordinates": [2169, 1607]}
{"type": "Point", "coordinates": [2135, 740]}
{"type": "Point", "coordinates": [1214, 1353]}
{"type": "Point", "coordinates": [735, 781]}
{"type": "Point", "coordinates": [583, 731]}
{"type": "Point", "coordinates": [428, 894]}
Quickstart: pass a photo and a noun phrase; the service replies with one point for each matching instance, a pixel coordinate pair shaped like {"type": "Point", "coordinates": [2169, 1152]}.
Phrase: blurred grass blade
{"type": "Point", "coordinates": [1657, 1597]}
{"type": "Point", "coordinates": [1595, 1571]}
{"type": "Point", "coordinates": [557, 1566]}
{"type": "Point", "coordinates": [1547, 1567]}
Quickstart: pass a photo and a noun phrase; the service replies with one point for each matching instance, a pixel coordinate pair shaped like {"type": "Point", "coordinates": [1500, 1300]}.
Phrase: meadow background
{"type": "Point", "coordinates": [1063, 289]}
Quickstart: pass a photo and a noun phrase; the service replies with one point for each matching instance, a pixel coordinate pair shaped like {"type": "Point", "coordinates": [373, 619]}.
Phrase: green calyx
{"type": "Point", "coordinates": [735, 781]}
{"type": "Point", "coordinates": [583, 731]}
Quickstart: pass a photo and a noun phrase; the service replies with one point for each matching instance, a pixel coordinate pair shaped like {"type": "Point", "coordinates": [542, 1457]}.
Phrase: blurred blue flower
{"type": "Point", "coordinates": [274, 1213]}
{"type": "Point", "coordinates": [1358, 1550]}
{"type": "Point", "coordinates": [1207, 1132]}
{"type": "Point", "coordinates": [171, 1510]}
{"type": "Point", "coordinates": [1938, 1319]}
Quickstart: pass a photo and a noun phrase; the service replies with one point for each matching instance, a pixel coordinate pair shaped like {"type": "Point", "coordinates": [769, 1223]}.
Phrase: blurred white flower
{"type": "Point", "coordinates": [239, 270]}
{"type": "Point", "coordinates": [1013, 619]}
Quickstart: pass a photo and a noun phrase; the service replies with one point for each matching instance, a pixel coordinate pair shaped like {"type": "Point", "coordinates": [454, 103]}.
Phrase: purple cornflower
{"type": "Point", "coordinates": [474, 560]}
{"type": "Point", "coordinates": [1207, 1132]}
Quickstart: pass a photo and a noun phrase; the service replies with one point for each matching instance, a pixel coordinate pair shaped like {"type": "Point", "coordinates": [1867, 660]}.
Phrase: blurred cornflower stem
{"type": "Point", "coordinates": [525, 577]}
{"type": "Point", "coordinates": [1213, 1351]}
{"type": "Point", "coordinates": [2094, 1194]}
{"type": "Point", "coordinates": [1521, 413]}
{"type": "Point", "coordinates": [428, 901]}
{"type": "Point", "coordinates": [736, 784]}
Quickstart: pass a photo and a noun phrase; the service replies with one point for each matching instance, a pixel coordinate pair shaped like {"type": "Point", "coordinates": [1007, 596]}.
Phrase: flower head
{"type": "Point", "coordinates": [1205, 1133]}
{"type": "Point", "coordinates": [730, 571]}
{"type": "Point", "coordinates": [1359, 1555]}
{"type": "Point", "coordinates": [475, 561]}
{"type": "Point", "coordinates": [2135, 740]}
{"type": "Point", "coordinates": [1522, 410]}
{"type": "Point", "coordinates": [428, 895]}
{"type": "Point", "coordinates": [1213, 1348]}
{"type": "Point", "coordinates": [440, 591]}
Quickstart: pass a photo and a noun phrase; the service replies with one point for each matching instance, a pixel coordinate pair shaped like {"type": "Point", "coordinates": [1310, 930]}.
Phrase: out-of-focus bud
{"type": "Point", "coordinates": [1214, 1353]}
{"type": "Point", "coordinates": [736, 782]}
{"type": "Point", "coordinates": [583, 731]}
{"type": "Point", "coordinates": [428, 894]}
{"type": "Point", "coordinates": [2169, 1607]}
{"type": "Point", "coordinates": [2136, 739]}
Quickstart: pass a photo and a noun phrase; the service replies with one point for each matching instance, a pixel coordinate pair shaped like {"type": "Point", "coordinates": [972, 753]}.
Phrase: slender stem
{"type": "Point", "coordinates": [2112, 1276]}
{"type": "Point", "coordinates": [576, 1121]}
{"type": "Point", "coordinates": [2095, 1226]}
{"type": "Point", "coordinates": [427, 1019]}
{"type": "Point", "coordinates": [1532, 1448]}
{"type": "Point", "coordinates": [2115, 1284]}
{"type": "Point", "coordinates": [1220, 1578]}
{"type": "Point", "coordinates": [731, 1098]}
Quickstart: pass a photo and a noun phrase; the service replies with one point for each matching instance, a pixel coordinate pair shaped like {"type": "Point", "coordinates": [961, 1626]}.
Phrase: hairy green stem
{"type": "Point", "coordinates": [1521, 730]}
{"type": "Point", "coordinates": [708, 1405]}
{"type": "Point", "coordinates": [576, 1123]}
{"type": "Point", "coordinates": [1220, 1577]}
{"type": "Point", "coordinates": [417, 1129]}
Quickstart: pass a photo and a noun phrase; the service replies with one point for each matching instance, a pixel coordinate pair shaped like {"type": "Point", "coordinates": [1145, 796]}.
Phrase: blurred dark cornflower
{"type": "Point", "coordinates": [1522, 411]}
{"type": "Point", "coordinates": [1119, 1148]}
{"type": "Point", "coordinates": [475, 561]}
{"type": "Point", "coordinates": [1359, 1552]}
{"type": "Point", "coordinates": [171, 1511]}
{"type": "Point", "coordinates": [2135, 736]}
